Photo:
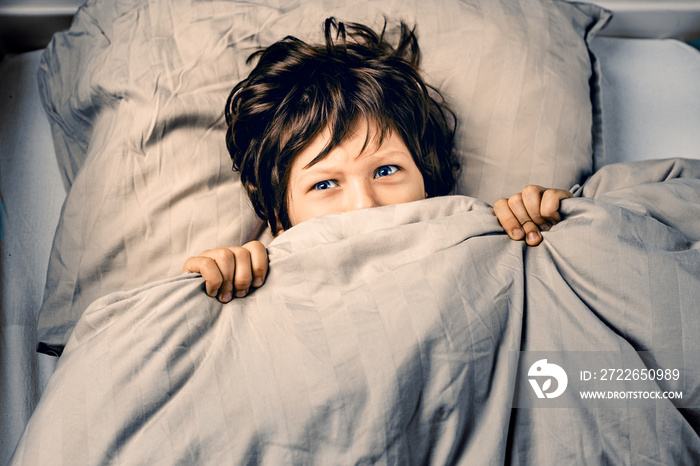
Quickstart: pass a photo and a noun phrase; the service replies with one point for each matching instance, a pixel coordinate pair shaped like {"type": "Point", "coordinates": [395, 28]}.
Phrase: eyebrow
{"type": "Point", "coordinates": [323, 172]}
{"type": "Point", "coordinates": [381, 155]}
{"type": "Point", "coordinates": [389, 152]}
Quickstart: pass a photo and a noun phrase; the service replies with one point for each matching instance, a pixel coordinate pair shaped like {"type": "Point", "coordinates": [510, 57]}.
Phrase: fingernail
{"type": "Point", "coordinates": [257, 282]}
{"type": "Point", "coordinates": [532, 236]}
{"type": "Point", "coordinates": [240, 294]}
{"type": "Point", "coordinates": [518, 233]}
{"type": "Point", "coordinates": [226, 298]}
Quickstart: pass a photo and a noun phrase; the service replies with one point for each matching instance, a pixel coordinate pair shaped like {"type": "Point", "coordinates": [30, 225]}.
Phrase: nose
{"type": "Point", "coordinates": [361, 196]}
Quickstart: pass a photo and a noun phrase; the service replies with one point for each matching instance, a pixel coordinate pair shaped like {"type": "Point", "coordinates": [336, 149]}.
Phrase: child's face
{"type": "Point", "coordinates": [349, 178]}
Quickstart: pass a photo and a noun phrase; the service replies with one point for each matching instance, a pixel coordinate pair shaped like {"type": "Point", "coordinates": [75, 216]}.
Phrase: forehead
{"type": "Point", "coordinates": [361, 140]}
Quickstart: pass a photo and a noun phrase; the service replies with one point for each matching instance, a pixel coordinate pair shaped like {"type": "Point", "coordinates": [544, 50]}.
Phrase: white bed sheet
{"type": "Point", "coordinates": [31, 192]}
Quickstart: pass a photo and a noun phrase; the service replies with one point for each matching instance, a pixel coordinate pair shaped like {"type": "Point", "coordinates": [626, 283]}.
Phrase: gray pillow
{"type": "Point", "coordinates": [135, 91]}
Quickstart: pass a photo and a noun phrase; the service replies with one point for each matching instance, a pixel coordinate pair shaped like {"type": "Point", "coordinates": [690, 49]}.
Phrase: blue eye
{"type": "Point", "coordinates": [326, 184]}
{"type": "Point", "coordinates": [385, 170]}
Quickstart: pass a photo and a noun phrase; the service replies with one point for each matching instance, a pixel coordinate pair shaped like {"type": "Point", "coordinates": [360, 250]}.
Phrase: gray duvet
{"type": "Point", "coordinates": [386, 337]}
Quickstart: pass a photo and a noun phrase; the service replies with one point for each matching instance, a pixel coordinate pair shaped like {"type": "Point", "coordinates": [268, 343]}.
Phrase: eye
{"type": "Point", "coordinates": [386, 170]}
{"type": "Point", "coordinates": [326, 184]}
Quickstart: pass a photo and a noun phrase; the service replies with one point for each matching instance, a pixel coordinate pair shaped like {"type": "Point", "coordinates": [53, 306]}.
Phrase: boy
{"type": "Point", "coordinates": [337, 127]}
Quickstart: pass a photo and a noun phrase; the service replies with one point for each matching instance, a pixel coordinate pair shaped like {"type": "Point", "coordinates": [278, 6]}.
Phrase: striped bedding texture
{"type": "Point", "coordinates": [135, 92]}
{"type": "Point", "coordinates": [386, 336]}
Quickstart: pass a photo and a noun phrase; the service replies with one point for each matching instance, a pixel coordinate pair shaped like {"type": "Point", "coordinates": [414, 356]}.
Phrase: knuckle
{"type": "Point", "coordinates": [549, 194]}
{"type": "Point", "coordinates": [189, 264]}
{"type": "Point", "coordinates": [221, 254]}
{"type": "Point", "coordinates": [515, 199]}
{"type": "Point", "coordinates": [242, 283]}
{"type": "Point", "coordinates": [547, 210]}
{"type": "Point", "coordinates": [215, 281]}
{"type": "Point", "coordinates": [531, 188]}
{"type": "Point", "coordinates": [256, 245]}
{"type": "Point", "coordinates": [512, 225]}
{"type": "Point", "coordinates": [241, 253]}
{"type": "Point", "coordinates": [206, 262]}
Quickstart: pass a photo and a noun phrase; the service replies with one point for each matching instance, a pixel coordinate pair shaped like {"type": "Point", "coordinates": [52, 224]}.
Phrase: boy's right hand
{"type": "Point", "coordinates": [226, 269]}
{"type": "Point", "coordinates": [524, 215]}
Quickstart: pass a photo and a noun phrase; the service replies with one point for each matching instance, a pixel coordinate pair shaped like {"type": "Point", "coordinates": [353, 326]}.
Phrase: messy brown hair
{"type": "Point", "coordinates": [296, 90]}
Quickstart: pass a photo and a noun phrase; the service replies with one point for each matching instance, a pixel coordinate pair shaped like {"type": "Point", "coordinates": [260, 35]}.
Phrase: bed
{"type": "Point", "coordinates": [412, 348]}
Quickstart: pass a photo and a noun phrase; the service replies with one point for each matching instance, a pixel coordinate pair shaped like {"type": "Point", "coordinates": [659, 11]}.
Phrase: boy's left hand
{"type": "Point", "coordinates": [525, 214]}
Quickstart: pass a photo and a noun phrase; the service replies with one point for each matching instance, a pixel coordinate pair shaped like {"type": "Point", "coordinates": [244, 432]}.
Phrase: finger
{"type": "Point", "coordinates": [551, 200]}
{"type": "Point", "coordinates": [243, 274]}
{"type": "Point", "coordinates": [226, 263]}
{"type": "Point", "coordinates": [507, 220]}
{"type": "Point", "coordinates": [532, 199]}
{"type": "Point", "coordinates": [259, 260]}
{"type": "Point", "coordinates": [532, 231]}
{"type": "Point", "coordinates": [206, 266]}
